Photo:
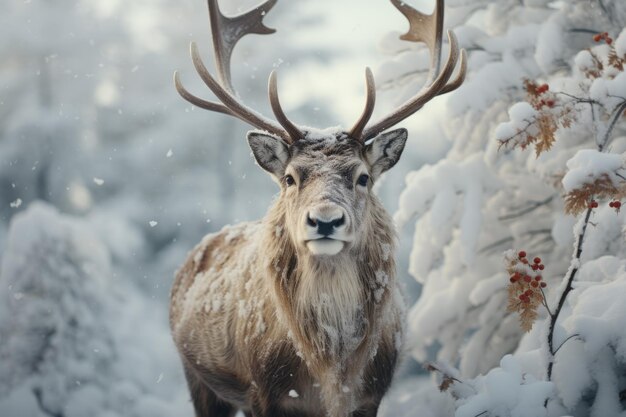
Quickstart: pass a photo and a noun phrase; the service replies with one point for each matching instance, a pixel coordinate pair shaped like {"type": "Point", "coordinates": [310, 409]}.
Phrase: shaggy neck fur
{"type": "Point", "coordinates": [332, 306]}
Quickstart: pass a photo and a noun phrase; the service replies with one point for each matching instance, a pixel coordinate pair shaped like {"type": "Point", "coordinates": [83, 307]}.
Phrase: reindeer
{"type": "Point", "coordinates": [299, 314]}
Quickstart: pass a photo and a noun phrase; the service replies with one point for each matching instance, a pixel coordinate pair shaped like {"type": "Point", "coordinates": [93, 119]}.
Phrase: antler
{"type": "Point", "coordinates": [226, 32]}
{"type": "Point", "coordinates": [428, 29]}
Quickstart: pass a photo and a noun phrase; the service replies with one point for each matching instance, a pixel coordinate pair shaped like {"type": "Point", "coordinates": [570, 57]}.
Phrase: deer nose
{"type": "Point", "coordinates": [326, 227]}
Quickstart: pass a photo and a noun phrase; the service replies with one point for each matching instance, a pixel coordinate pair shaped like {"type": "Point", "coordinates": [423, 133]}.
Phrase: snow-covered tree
{"type": "Point", "coordinates": [74, 336]}
{"type": "Point", "coordinates": [485, 197]}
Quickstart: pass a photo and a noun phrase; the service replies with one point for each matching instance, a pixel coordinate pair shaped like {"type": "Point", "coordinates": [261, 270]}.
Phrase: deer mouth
{"type": "Point", "coordinates": [325, 246]}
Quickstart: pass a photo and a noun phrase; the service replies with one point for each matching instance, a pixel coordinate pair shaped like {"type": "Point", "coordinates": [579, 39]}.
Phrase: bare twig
{"type": "Point", "coordinates": [562, 343]}
{"type": "Point", "coordinates": [529, 123]}
{"type": "Point", "coordinates": [617, 113]}
{"type": "Point", "coordinates": [584, 30]}
{"type": "Point", "coordinates": [432, 367]}
{"type": "Point", "coordinates": [533, 206]}
{"type": "Point", "coordinates": [578, 99]}
{"type": "Point", "coordinates": [545, 302]}
{"type": "Point", "coordinates": [568, 287]}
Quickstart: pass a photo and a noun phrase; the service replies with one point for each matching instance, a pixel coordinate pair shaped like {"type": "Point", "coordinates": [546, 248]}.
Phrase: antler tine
{"type": "Point", "coordinates": [196, 101]}
{"type": "Point", "coordinates": [437, 87]}
{"type": "Point", "coordinates": [294, 132]}
{"type": "Point", "coordinates": [243, 112]}
{"type": "Point", "coordinates": [460, 76]}
{"type": "Point", "coordinates": [227, 31]}
{"type": "Point", "coordinates": [428, 29]}
{"type": "Point", "coordinates": [357, 130]}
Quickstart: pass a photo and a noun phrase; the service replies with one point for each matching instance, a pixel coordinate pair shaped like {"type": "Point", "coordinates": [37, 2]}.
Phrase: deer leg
{"type": "Point", "coordinates": [205, 402]}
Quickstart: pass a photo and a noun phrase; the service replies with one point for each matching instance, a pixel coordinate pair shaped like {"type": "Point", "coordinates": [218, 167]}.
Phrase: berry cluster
{"type": "Point", "coordinates": [540, 90]}
{"type": "Point", "coordinates": [615, 204]}
{"type": "Point", "coordinates": [527, 284]}
{"type": "Point", "coordinates": [525, 291]}
{"type": "Point", "coordinates": [603, 36]}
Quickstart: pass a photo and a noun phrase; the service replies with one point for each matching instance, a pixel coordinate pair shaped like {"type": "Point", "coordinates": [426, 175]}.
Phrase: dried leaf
{"type": "Point", "coordinates": [615, 61]}
{"type": "Point", "coordinates": [547, 128]}
{"type": "Point", "coordinates": [577, 201]}
{"type": "Point", "coordinates": [446, 383]}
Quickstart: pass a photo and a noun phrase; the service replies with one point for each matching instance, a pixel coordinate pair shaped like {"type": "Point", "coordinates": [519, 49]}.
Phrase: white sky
{"type": "Point", "coordinates": [354, 29]}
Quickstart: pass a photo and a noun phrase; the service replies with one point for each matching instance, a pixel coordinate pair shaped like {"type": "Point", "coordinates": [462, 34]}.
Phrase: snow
{"type": "Point", "coordinates": [293, 393]}
{"type": "Point", "coordinates": [440, 185]}
{"type": "Point", "coordinates": [584, 60]}
{"type": "Point", "coordinates": [521, 116]}
{"type": "Point", "coordinates": [507, 391]}
{"type": "Point", "coordinates": [589, 165]}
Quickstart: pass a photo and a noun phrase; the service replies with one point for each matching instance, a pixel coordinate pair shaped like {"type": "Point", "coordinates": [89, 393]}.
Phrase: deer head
{"type": "Point", "coordinates": [326, 177]}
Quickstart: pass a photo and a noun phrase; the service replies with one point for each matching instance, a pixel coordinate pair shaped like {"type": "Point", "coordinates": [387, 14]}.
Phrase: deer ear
{"type": "Point", "coordinates": [384, 151]}
{"type": "Point", "coordinates": [270, 152]}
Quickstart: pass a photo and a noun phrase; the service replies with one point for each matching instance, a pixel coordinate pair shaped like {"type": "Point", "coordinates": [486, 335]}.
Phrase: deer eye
{"type": "Point", "coordinates": [363, 179]}
{"type": "Point", "coordinates": [289, 180]}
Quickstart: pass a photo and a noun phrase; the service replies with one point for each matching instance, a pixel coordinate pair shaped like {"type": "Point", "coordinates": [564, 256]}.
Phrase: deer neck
{"type": "Point", "coordinates": [329, 306]}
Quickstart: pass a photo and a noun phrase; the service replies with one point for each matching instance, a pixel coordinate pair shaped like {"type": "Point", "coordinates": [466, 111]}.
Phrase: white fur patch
{"type": "Point", "coordinates": [327, 247]}
{"type": "Point", "coordinates": [335, 296]}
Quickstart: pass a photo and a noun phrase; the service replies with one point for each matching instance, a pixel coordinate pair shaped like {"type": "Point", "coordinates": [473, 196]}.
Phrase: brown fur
{"type": "Point", "coordinates": [243, 317]}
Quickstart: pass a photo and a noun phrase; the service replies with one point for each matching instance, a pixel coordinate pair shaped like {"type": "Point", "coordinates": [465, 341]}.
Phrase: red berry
{"type": "Point", "coordinates": [597, 37]}
{"type": "Point", "coordinates": [541, 267]}
{"type": "Point", "coordinates": [534, 284]}
{"type": "Point", "coordinates": [605, 34]}
{"type": "Point", "coordinates": [608, 41]}
{"type": "Point", "coordinates": [593, 204]}
{"type": "Point", "coordinates": [527, 278]}
{"type": "Point", "coordinates": [538, 278]}
{"type": "Point", "coordinates": [522, 254]}
{"type": "Point", "coordinates": [550, 103]}
{"type": "Point", "coordinates": [512, 279]}
{"type": "Point", "coordinates": [611, 204]}
{"type": "Point", "coordinates": [522, 296]}
{"type": "Point", "coordinates": [535, 267]}
{"type": "Point", "coordinates": [537, 260]}
{"type": "Point", "coordinates": [544, 285]}
{"type": "Point", "coordinates": [524, 261]}
{"type": "Point", "coordinates": [617, 204]}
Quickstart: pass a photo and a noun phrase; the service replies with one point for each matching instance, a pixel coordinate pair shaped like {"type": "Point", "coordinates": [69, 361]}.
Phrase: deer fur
{"type": "Point", "coordinates": [267, 322]}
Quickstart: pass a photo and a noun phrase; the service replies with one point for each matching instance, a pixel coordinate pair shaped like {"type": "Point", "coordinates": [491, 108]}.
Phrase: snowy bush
{"type": "Point", "coordinates": [75, 337]}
